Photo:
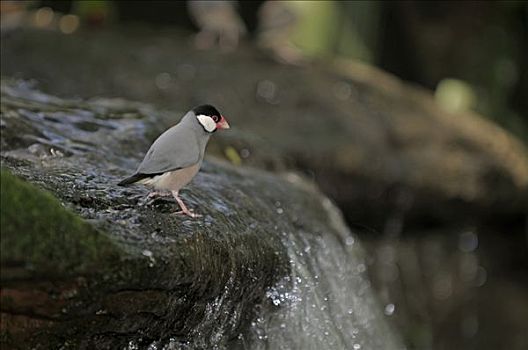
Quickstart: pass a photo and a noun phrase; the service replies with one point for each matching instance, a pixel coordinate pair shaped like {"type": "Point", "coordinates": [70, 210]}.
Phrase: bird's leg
{"type": "Point", "coordinates": [183, 207]}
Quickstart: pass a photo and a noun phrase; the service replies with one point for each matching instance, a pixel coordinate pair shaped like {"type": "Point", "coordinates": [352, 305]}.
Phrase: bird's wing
{"type": "Point", "coordinates": [176, 148]}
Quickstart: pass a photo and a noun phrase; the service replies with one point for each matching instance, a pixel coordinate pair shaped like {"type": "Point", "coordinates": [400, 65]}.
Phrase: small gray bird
{"type": "Point", "coordinates": [176, 155]}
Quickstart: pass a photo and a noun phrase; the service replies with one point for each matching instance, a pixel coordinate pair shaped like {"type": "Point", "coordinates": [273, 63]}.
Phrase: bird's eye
{"type": "Point", "coordinates": [216, 118]}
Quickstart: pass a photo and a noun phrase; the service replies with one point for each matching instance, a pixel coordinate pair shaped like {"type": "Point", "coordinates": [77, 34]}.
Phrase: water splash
{"type": "Point", "coordinates": [270, 265]}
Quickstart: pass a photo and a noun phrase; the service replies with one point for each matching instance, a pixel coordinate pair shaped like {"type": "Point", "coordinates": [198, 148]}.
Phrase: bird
{"type": "Point", "coordinates": [176, 156]}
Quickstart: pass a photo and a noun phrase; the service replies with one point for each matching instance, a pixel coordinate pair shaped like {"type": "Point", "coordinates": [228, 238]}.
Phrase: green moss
{"type": "Point", "coordinates": [39, 233]}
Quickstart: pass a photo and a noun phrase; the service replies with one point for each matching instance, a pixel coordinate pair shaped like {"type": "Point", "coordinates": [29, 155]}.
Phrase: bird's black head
{"type": "Point", "coordinates": [210, 118]}
{"type": "Point", "coordinates": [207, 110]}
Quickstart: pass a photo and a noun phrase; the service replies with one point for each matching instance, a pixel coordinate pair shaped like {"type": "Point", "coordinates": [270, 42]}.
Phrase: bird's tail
{"type": "Point", "coordinates": [132, 179]}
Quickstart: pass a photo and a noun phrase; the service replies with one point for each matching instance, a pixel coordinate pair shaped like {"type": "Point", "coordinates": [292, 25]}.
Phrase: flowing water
{"type": "Point", "coordinates": [270, 266]}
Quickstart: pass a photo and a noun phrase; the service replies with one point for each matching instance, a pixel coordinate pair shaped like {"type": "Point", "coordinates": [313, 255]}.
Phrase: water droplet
{"type": "Point", "coordinates": [349, 240]}
{"type": "Point", "coordinates": [482, 276]}
{"type": "Point", "coordinates": [43, 17]}
{"type": "Point", "coordinates": [467, 242]}
{"type": "Point", "coordinates": [342, 90]}
{"type": "Point", "coordinates": [147, 253]}
{"type": "Point", "coordinates": [55, 152]}
{"type": "Point", "coordinates": [280, 211]}
{"type": "Point", "coordinates": [267, 90]}
{"type": "Point", "coordinates": [153, 346]}
{"type": "Point", "coordinates": [389, 309]}
{"type": "Point", "coordinates": [357, 346]}
{"type": "Point", "coordinates": [244, 153]}
{"type": "Point", "coordinates": [69, 23]}
{"type": "Point", "coordinates": [163, 80]}
{"type": "Point", "coordinates": [468, 267]}
{"type": "Point", "coordinates": [132, 345]}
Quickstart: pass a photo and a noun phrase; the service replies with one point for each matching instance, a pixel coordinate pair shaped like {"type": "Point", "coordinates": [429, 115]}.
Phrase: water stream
{"type": "Point", "coordinates": [270, 266]}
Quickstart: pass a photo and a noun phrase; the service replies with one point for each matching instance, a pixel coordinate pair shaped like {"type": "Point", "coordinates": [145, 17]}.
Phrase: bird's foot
{"type": "Point", "coordinates": [152, 196]}
{"type": "Point", "coordinates": [189, 213]}
{"type": "Point", "coordinates": [183, 207]}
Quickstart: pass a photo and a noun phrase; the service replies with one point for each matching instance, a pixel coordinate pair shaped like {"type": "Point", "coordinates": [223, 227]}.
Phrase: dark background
{"type": "Point", "coordinates": [474, 52]}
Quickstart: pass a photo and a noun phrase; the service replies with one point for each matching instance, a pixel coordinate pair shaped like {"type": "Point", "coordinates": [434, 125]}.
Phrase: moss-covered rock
{"type": "Point", "coordinates": [40, 233]}
{"type": "Point", "coordinates": [270, 263]}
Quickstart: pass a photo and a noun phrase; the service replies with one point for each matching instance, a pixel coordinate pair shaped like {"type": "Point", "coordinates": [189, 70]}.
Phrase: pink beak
{"type": "Point", "coordinates": [222, 123]}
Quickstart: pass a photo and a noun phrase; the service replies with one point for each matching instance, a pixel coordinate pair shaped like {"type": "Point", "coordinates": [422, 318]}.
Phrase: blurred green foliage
{"type": "Point", "coordinates": [480, 45]}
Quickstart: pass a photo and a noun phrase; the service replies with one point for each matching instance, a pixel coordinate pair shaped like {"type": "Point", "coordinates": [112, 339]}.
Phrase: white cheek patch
{"type": "Point", "coordinates": [207, 122]}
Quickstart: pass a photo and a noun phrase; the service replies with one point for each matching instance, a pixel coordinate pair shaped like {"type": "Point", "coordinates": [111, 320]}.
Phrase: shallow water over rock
{"type": "Point", "coordinates": [374, 144]}
{"type": "Point", "coordinates": [270, 265]}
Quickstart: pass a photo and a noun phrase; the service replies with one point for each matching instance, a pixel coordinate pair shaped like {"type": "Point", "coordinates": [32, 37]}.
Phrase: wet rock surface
{"type": "Point", "coordinates": [269, 265]}
{"type": "Point", "coordinates": [379, 147]}
{"type": "Point", "coordinates": [375, 145]}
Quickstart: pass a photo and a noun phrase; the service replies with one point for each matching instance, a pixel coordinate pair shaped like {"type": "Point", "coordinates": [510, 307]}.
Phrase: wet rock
{"type": "Point", "coordinates": [270, 265]}
{"type": "Point", "coordinates": [377, 146]}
